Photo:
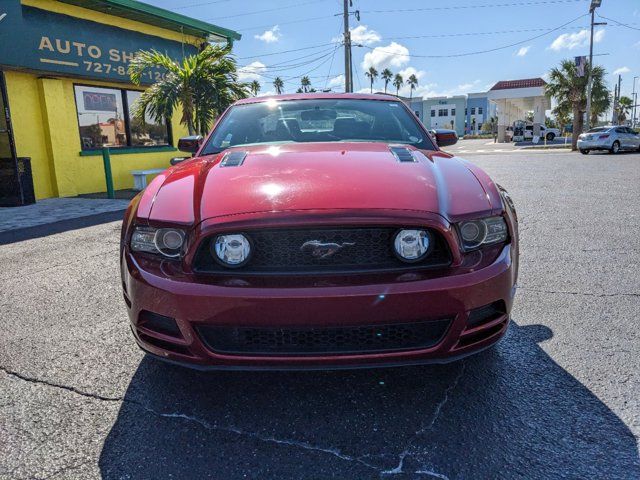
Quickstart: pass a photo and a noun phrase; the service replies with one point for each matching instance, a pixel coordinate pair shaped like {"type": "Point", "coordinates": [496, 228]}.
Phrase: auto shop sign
{"type": "Point", "coordinates": [40, 40]}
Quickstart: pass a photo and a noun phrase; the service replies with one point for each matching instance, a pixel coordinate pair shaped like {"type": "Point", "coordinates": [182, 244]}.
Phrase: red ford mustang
{"type": "Point", "coordinates": [319, 231]}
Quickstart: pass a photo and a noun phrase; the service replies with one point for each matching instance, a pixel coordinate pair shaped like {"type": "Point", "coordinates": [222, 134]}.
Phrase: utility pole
{"type": "Point", "coordinates": [592, 9]}
{"type": "Point", "coordinates": [348, 82]}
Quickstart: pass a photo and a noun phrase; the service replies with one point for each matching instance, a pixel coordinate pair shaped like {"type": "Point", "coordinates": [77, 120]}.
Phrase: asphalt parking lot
{"type": "Point", "coordinates": [559, 397]}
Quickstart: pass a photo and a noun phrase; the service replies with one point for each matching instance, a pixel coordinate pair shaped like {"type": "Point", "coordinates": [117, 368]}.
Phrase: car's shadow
{"type": "Point", "coordinates": [510, 412]}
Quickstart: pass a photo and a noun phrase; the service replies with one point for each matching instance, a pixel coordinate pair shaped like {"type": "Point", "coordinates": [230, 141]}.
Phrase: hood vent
{"type": "Point", "coordinates": [233, 159]}
{"type": "Point", "coordinates": [402, 154]}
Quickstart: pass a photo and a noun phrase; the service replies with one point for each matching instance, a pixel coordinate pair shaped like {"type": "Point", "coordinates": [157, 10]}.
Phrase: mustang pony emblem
{"type": "Point", "coordinates": [319, 249]}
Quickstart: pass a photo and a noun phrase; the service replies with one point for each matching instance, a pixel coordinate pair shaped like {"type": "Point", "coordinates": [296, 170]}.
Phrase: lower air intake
{"type": "Point", "coordinates": [324, 340]}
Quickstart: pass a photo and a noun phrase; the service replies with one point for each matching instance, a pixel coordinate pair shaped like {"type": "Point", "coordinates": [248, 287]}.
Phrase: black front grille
{"type": "Point", "coordinates": [361, 249]}
{"type": "Point", "coordinates": [324, 340]}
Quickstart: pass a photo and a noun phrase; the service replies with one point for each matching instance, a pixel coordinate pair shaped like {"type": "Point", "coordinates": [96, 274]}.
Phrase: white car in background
{"type": "Point", "coordinates": [545, 132]}
{"type": "Point", "coordinates": [612, 138]}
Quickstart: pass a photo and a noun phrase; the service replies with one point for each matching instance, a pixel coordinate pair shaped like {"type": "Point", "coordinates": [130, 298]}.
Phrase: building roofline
{"type": "Point", "coordinates": [159, 17]}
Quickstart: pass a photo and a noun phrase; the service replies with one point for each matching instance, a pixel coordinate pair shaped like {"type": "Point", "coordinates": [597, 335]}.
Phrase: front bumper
{"type": "Point", "coordinates": [241, 302]}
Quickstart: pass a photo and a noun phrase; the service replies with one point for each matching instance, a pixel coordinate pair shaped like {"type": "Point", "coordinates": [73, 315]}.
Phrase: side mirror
{"type": "Point", "coordinates": [190, 144]}
{"type": "Point", "coordinates": [444, 138]}
{"type": "Point", "coordinates": [177, 160]}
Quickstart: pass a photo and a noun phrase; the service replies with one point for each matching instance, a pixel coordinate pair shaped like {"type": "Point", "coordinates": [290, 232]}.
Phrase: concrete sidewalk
{"type": "Point", "coordinates": [53, 210]}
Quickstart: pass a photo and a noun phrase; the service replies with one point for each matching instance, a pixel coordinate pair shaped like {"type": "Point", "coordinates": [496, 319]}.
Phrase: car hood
{"type": "Point", "coordinates": [320, 176]}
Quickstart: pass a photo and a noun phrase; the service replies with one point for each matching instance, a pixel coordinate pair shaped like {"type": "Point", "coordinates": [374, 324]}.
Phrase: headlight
{"type": "Point", "coordinates": [412, 245]}
{"type": "Point", "coordinates": [486, 231]}
{"type": "Point", "coordinates": [168, 242]}
{"type": "Point", "coordinates": [232, 250]}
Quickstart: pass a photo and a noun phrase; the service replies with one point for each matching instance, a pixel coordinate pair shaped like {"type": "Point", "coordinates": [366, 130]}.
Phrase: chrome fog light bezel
{"type": "Point", "coordinates": [429, 248]}
{"type": "Point", "coordinates": [215, 251]}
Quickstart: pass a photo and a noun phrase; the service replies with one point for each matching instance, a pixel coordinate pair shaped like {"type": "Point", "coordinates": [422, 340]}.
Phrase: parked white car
{"type": "Point", "coordinates": [548, 133]}
{"type": "Point", "coordinates": [545, 132]}
{"type": "Point", "coordinates": [612, 138]}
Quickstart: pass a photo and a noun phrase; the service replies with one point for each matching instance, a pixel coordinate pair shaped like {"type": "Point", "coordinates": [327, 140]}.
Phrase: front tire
{"type": "Point", "coordinates": [615, 148]}
{"type": "Point", "coordinates": [584, 151]}
{"type": "Point", "coordinates": [550, 137]}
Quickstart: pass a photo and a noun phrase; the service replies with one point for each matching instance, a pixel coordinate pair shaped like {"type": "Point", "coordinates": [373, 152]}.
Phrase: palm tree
{"type": "Point", "coordinates": [254, 87]}
{"type": "Point", "coordinates": [398, 82]}
{"type": "Point", "coordinates": [625, 104]}
{"type": "Point", "coordinates": [570, 91]}
{"type": "Point", "coordinates": [305, 83]}
{"type": "Point", "coordinates": [278, 84]}
{"type": "Point", "coordinates": [413, 83]}
{"type": "Point", "coordinates": [386, 75]}
{"type": "Point", "coordinates": [204, 85]}
{"type": "Point", "coordinates": [372, 73]}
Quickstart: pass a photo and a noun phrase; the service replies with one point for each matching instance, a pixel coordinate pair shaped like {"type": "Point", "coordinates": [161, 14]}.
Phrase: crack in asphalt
{"type": "Point", "coordinates": [586, 294]}
{"type": "Point", "coordinates": [95, 396]}
{"type": "Point", "coordinates": [425, 428]}
{"type": "Point", "coordinates": [262, 438]}
{"type": "Point", "coordinates": [203, 423]}
{"type": "Point", "coordinates": [445, 399]}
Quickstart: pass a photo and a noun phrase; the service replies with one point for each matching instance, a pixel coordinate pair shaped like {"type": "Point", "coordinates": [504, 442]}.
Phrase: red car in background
{"type": "Point", "coordinates": [319, 231]}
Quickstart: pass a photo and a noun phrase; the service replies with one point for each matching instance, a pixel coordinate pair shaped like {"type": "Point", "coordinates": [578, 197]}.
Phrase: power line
{"type": "Point", "coordinates": [271, 69]}
{"type": "Point", "coordinates": [463, 7]}
{"type": "Point", "coordinates": [477, 52]}
{"type": "Point", "coordinates": [255, 12]}
{"type": "Point", "coordinates": [200, 4]}
{"type": "Point", "coordinates": [288, 51]}
{"type": "Point", "coordinates": [619, 23]}
{"type": "Point", "coordinates": [302, 20]}
{"type": "Point", "coordinates": [472, 34]}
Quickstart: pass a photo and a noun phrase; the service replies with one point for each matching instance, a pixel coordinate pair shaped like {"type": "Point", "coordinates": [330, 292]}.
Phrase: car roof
{"type": "Point", "coordinates": [320, 96]}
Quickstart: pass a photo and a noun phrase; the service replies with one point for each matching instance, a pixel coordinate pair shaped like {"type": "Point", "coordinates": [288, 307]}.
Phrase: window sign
{"type": "Point", "coordinates": [101, 102]}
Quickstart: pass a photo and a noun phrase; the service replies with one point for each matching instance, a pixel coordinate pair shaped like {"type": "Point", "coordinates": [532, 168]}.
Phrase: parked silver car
{"type": "Point", "coordinates": [612, 138]}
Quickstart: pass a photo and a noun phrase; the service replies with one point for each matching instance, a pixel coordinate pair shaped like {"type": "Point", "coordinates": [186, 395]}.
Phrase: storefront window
{"type": "Point", "coordinates": [105, 119]}
{"type": "Point", "coordinates": [145, 133]}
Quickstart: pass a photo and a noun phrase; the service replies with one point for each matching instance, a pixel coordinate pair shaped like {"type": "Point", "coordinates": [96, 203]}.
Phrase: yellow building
{"type": "Point", "coordinates": [66, 93]}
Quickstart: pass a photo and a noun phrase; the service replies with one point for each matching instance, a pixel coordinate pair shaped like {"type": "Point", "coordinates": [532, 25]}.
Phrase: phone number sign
{"type": "Point", "coordinates": [51, 42]}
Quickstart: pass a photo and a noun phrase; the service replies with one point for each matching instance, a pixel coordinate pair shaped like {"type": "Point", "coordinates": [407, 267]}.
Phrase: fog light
{"type": "Point", "coordinates": [412, 245]}
{"type": "Point", "coordinates": [232, 250]}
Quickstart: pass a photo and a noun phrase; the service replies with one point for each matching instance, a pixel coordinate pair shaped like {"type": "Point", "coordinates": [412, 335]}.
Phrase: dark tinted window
{"type": "Point", "coordinates": [147, 133]}
{"type": "Point", "coordinates": [105, 119]}
{"type": "Point", "coordinates": [317, 120]}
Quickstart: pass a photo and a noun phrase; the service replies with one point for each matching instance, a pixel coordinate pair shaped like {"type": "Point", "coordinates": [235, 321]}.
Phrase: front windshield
{"type": "Point", "coordinates": [317, 120]}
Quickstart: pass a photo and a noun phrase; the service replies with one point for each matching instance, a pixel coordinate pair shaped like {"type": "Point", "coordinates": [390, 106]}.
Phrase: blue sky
{"type": "Point", "coordinates": [404, 35]}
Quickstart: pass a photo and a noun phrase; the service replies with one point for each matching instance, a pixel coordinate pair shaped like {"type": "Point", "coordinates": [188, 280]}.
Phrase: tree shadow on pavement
{"type": "Point", "coordinates": [510, 412]}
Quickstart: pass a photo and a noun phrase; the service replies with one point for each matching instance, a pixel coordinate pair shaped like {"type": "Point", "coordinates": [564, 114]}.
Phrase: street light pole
{"type": "Point", "coordinates": [592, 10]}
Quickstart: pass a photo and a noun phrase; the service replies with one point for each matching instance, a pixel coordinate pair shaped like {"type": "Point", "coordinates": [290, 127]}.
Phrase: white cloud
{"type": "Point", "coordinates": [392, 55]}
{"type": "Point", "coordinates": [251, 72]}
{"type": "Point", "coordinates": [267, 94]}
{"type": "Point", "coordinates": [361, 35]}
{"type": "Point", "coordinates": [269, 36]}
{"type": "Point", "coordinates": [621, 70]}
{"type": "Point", "coordinates": [336, 83]}
{"type": "Point", "coordinates": [570, 41]}
{"type": "Point", "coordinates": [523, 51]}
